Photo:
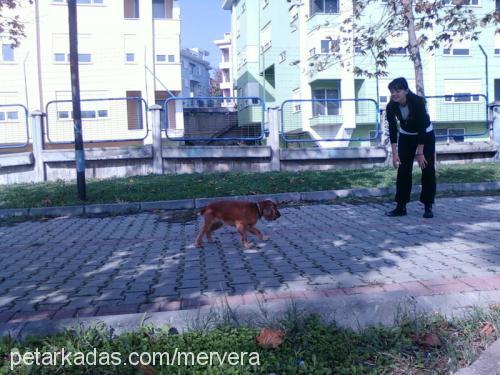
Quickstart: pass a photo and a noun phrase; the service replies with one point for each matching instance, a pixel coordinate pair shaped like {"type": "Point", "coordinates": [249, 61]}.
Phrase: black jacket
{"type": "Point", "coordinates": [417, 122]}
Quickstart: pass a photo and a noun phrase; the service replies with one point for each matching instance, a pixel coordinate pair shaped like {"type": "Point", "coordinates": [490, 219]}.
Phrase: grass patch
{"type": "Point", "coordinates": [310, 346]}
{"type": "Point", "coordinates": [170, 187]}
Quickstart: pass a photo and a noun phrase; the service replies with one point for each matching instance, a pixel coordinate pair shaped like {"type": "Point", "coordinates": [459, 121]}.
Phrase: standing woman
{"type": "Point", "coordinates": [415, 140]}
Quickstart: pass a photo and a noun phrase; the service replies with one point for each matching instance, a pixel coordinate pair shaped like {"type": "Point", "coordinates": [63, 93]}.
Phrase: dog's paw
{"type": "Point", "coordinates": [264, 238]}
{"type": "Point", "coordinates": [198, 245]}
{"type": "Point", "coordinates": [248, 245]}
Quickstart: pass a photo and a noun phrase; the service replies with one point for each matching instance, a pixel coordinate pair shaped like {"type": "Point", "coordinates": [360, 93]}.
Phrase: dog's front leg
{"type": "Point", "coordinates": [258, 233]}
{"type": "Point", "coordinates": [215, 225]}
{"type": "Point", "coordinates": [243, 235]}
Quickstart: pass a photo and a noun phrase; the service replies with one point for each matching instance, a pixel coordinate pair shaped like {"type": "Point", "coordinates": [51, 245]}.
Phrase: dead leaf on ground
{"type": "Point", "coordinates": [495, 306]}
{"type": "Point", "coordinates": [428, 339]}
{"type": "Point", "coordinates": [269, 338]}
{"type": "Point", "coordinates": [487, 329]}
{"type": "Point", "coordinates": [145, 369]}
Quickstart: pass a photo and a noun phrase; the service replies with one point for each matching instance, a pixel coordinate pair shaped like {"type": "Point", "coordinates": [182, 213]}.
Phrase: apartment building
{"type": "Point", "coordinates": [283, 50]}
{"type": "Point", "coordinates": [195, 73]}
{"type": "Point", "coordinates": [127, 49]}
{"type": "Point", "coordinates": [225, 65]}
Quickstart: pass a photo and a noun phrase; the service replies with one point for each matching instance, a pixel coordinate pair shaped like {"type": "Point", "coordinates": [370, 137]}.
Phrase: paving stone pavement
{"type": "Point", "coordinates": [67, 267]}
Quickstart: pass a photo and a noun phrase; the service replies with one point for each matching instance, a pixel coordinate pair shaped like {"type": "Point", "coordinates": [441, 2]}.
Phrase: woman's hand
{"type": "Point", "coordinates": [422, 163]}
{"type": "Point", "coordinates": [396, 162]}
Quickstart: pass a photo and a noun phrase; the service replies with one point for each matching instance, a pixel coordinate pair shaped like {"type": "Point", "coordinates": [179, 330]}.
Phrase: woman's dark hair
{"type": "Point", "coordinates": [399, 84]}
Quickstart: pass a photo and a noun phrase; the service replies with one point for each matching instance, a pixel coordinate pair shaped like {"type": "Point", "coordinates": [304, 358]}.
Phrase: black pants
{"type": "Point", "coordinates": [407, 146]}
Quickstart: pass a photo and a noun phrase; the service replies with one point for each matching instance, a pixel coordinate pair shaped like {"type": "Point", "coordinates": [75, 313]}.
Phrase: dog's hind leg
{"type": "Point", "coordinates": [258, 233]}
{"type": "Point", "coordinates": [205, 229]}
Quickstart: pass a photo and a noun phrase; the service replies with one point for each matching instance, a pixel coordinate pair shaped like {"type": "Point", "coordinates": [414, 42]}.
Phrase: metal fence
{"type": "Point", "coordinates": [13, 126]}
{"type": "Point", "coordinates": [103, 120]}
{"type": "Point", "coordinates": [456, 117]}
{"type": "Point", "coordinates": [214, 119]}
{"type": "Point", "coordinates": [330, 120]}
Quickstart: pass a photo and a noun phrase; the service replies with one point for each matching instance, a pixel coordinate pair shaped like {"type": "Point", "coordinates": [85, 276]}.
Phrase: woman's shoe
{"type": "Point", "coordinates": [400, 210]}
{"type": "Point", "coordinates": [428, 214]}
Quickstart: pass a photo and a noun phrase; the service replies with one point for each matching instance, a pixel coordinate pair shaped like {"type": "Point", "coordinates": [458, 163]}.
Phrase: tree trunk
{"type": "Point", "coordinates": [414, 47]}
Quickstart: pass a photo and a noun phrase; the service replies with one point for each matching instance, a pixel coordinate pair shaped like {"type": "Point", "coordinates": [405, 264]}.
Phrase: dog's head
{"type": "Point", "coordinates": [269, 209]}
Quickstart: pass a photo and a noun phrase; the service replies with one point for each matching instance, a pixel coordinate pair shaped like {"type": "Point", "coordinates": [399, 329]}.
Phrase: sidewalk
{"type": "Point", "coordinates": [345, 260]}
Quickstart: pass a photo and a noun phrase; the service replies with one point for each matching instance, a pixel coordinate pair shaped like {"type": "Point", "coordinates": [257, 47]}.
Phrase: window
{"type": "Point", "coordinates": [171, 58]}
{"type": "Point", "coordinates": [456, 51]}
{"type": "Point", "coordinates": [441, 135]}
{"type": "Point", "coordinates": [7, 52]}
{"type": "Point", "coordinates": [397, 51]}
{"type": "Point", "coordinates": [129, 47]}
{"type": "Point", "coordinates": [161, 58]}
{"type": "Point", "coordinates": [64, 57]}
{"type": "Point", "coordinates": [465, 2]}
{"type": "Point", "coordinates": [86, 114]}
{"type": "Point", "coordinates": [162, 8]}
{"type": "Point", "coordinates": [84, 57]}
{"type": "Point", "coordinates": [462, 90]}
{"type": "Point", "coordinates": [458, 48]}
{"type": "Point", "coordinates": [398, 43]}
{"type": "Point", "coordinates": [60, 48]}
{"type": "Point", "coordinates": [462, 97]}
{"type": "Point", "coordinates": [329, 45]}
{"type": "Point", "coordinates": [9, 116]}
{"type": "Point", "coordinates": [453, 135]}
{"type": "Point", "coordinates": [456, 135]}
{"type": "Point", "coordinates": [322, 107]}
{"type": "Point", "coordinates": [81, 2]}
{"type": "Point", "coordinates": [131, 9]}
{"type": "Point", "coordinates": [324, 6]}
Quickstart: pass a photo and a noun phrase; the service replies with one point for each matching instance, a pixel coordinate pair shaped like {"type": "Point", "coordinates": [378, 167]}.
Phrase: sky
{"type": "Point", "coordinates": [202, 22]}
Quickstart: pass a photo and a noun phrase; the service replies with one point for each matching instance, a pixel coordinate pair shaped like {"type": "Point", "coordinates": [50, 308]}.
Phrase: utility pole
{"type": "Point", "coordinates": [75, 90]}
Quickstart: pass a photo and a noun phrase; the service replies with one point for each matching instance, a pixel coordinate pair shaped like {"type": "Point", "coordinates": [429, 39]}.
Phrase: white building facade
{"type": "Point", "coordinates": [127, 49]}
{"type": "Point", "coordinates": [225, 65]}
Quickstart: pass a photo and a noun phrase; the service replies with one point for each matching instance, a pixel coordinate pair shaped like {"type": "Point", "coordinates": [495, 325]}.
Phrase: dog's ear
{"type": "Point", "coordinates": [269, 209]}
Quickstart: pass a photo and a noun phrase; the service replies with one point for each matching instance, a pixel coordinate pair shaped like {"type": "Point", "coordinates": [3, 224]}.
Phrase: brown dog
{"type": "Point", "coordinates": [240, 214]}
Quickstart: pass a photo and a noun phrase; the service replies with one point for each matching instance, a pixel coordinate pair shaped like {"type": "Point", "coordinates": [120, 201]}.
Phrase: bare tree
{"type": "Point", "coordinates": [12, 25]}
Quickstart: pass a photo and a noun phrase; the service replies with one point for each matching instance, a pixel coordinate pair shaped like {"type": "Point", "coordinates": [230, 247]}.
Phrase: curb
{"type": "Point", "coordinates": [183, 204]}
{"type": "Point", "coordinates": [348, 310]}
{"type": "Point", "coordinates": [488, 362]}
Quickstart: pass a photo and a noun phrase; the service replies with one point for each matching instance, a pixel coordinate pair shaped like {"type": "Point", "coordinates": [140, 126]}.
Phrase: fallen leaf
{"type": "Point", "coordinates": [495, 306]}
{"type": "Point", "coordinates": [428, 339]}
{"type": "Point", "coordinates": [269, 338]}
{"type": "Point", "coordinates": [487, 329]}
{"type": "Point", "coordinates": [146, 370]}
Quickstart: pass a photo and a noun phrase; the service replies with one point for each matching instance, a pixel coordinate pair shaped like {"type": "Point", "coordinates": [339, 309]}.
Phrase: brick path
{"type": "Point", "coordinates": [69, 267]}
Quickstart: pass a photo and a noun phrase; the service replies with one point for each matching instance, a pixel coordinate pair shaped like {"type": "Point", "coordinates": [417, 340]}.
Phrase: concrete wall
{"type": "Point", "coordinates": [50, 165]}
